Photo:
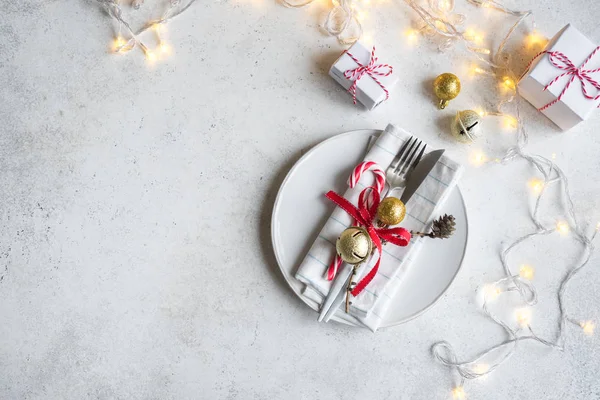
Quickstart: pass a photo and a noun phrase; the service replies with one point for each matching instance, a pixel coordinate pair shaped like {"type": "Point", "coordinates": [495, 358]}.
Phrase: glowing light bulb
{"type": "Point", "coordinates": [164, 47]}
{"type": "Point", "coordinates": [412, 34]}
{"type": "Point", "coordinates": [118, 43]}
{"type": "Point", "coordinates": [367, 38]}
{"type": "Point", "coordinates": [510, 122]}
{"type": "Point", "coordinates": [335, 3]}
{"type": "Point", "coordinates": [481, 50]}
{"type": "Point", "coordinates": [492, 292]}
{"type": "Point", "coordinates": [562, 227]}
{"type": "Point", "coordinates": [526, 272]}
{"type": "Point", "coordinates": [445, 5]}
{"type": "Point", "coordinates": [481, 368]}
{"type": "Point", "coordinates": [553, 156]}
{"type": "Point", "coordinates": [150, 56]}
{"type": "Point", "coordinates": [478, 158]}
{"type": "Point", "coordinates": [473, 36]}
{"type": "Point", "coordinates": [508, 82]}
{"type": "Point", "coordinates": [588, 327]}
{"type": "Point", "coordinates": [476, 69]}
{"type": "Point", "coordinates": [481, 112]}
{"type": "Point", "coordinates": [534, 39]}
{"type": "Point", "coordinates": [361, 15]}
{"type": "Point", "coordinates": [523, 316]}
{"type": "Point", "coordinates": [458, 393]}
{"type": "Point", "coordinates": [536, 185]}
{"type": "Point", "coordinates": [598, 226]}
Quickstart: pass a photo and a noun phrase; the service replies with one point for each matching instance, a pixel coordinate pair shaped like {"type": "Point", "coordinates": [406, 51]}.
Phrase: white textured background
{"type": "Point", "coordinates": [135, 257]}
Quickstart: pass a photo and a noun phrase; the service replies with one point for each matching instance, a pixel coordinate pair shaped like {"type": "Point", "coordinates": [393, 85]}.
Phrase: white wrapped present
{"type": "Point", "coordinates": [563, 80]}
{"type": "Point", "coordinates": [359, 71]}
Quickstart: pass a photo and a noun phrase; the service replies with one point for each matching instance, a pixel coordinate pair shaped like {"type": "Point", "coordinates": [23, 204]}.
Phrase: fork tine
{"type": "Point", "coordinates": [414, 163]}
{"type": "Point", "coordinates": [412, 157]}
{"type": "Point", "coordinates": [396, 159]}
{"type": "Point", "coordinates": [402, 162]}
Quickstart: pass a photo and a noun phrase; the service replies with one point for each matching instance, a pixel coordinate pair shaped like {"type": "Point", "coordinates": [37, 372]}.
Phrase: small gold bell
{"type": "Point", "coordinates": [354, 245]}
{"type": "Point", "coordinates": [466, 126]}
{"type": "Point", "coordinates": [391, 211]}
{"type": "Point", "coordinates": [446, 87]}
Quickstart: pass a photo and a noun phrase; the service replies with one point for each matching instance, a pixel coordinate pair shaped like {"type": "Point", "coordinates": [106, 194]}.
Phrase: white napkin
{"type": "Point", "coordinates": [370, 306]}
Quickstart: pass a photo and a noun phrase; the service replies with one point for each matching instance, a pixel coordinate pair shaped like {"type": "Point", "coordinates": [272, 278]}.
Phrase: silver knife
{"type": "Point", "coordinates": [337, 293]}
{"type": "Point", "coordinates": [419, 174]}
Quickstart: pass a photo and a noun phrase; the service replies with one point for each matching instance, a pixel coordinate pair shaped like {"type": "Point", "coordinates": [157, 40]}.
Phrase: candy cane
{"type": "Point", "coordinates": [352, 181]}
{"type": "Point", "coordinates": [366, 166]}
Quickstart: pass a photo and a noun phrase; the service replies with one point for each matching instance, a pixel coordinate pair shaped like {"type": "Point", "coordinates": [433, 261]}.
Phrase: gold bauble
{"type": "Point", "coordinates": [391, 211]}
{"type": "Point", "coordinates": [354, 245]}
{"type": "Point", "coordinates": [446, 87]}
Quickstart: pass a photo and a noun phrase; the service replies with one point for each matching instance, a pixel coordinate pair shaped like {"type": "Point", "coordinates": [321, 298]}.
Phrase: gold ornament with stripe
{"type": "Point", "coordinates": [466, 126]}
{"type": "Point", "coordinates": [354, 245]}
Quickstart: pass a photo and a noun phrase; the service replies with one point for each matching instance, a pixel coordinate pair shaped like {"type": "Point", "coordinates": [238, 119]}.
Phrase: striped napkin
{"type": "Point", "coordinates": [370, 306]}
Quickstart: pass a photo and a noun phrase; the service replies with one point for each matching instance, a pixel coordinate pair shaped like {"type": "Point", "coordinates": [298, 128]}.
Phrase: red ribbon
{"type": "Point", "coordinates": [364, 216]}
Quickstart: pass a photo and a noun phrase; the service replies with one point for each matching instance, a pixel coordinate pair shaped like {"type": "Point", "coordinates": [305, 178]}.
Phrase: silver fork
{"type": "Point", "coordinates": [398, 173]}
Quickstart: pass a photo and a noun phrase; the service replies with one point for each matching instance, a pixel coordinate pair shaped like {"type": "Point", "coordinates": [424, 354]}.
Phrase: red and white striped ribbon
{"type": "Point", "coordinates": [358, 171]}
{"type": "Point", "coordinates": [562, 62]}
{"type": "Point", "coordinates": [372, 69]}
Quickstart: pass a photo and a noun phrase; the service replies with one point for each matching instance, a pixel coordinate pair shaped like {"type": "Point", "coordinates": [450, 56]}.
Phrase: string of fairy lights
{"type": "Point", "coordinates": [126, 41]}
{"type": "Point", "coordinates": [499, 66]}
{"type": "Point", "coordinates": [440, 23]}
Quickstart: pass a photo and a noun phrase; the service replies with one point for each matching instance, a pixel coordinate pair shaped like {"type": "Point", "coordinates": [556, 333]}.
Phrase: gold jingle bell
{"type": "Point", "coordinates": [466, 126]}
{"type": "Point", "coordinates": [446, 87]}
{"type": "Point", "coordinates": [391, 211]}
{"type": "Point", "coordinates": [354, 245]}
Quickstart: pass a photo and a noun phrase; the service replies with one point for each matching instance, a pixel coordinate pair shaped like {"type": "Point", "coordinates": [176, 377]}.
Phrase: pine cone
{"type": "Point", "coordinates": [443, 227]}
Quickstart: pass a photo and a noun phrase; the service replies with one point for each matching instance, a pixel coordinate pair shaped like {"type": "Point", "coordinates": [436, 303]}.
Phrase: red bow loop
{"type": "Point", "coordinates": [397, 236]}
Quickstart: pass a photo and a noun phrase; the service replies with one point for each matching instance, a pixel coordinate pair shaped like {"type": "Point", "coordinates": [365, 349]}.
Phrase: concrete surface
{"type": "Point", "coordinates": [135, 258]}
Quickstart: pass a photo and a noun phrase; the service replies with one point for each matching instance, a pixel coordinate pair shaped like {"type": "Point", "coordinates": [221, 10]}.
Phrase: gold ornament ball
{"type": "Point", "coordinates": [466, 126]}
{"type": "Point", "coordinates": [446, 87]}
{"type": "Point", "coordinates": [391, 211]}
{"type": "Point", "coordinates": [354, 245]}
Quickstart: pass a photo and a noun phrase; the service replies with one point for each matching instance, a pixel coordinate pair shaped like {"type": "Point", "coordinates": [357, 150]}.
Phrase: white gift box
{"type": "Point", "coordinates": [368, 91]}
{"type": "Point", "coordinates": [573, 107]}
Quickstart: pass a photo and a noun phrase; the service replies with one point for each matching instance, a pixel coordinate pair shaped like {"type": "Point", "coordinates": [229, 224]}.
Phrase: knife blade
{"type": "Point", "coordinates": [419, 174]}
{"type": "Point", "coordinates": [337, 293]}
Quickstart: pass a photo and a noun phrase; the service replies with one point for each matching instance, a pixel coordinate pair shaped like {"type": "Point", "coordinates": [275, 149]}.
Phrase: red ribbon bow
{"type": "Point", "coordinates": [370, 69]}
{"type": "Point", "coordinates": [364, 216]}
{"type": "Point", "coordinates": [562, 62]}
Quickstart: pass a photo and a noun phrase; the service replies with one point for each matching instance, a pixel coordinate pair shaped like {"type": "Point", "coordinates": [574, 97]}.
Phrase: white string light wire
{"type": "Point", "coordinates": [113, 8]}
{"type": "Point", "coordinates": [342, 21]}
{"type": "Point", "coordinates": [481, 364]}
{"type": "Point", "coordinates": [439, 21]}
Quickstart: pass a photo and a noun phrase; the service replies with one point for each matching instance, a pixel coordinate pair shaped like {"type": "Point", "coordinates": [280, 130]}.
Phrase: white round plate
{"type": "Point", "coordinates": [301, 210]}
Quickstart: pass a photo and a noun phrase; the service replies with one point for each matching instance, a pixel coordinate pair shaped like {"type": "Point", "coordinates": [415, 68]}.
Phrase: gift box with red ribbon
{"type": "Point", "coordinates": [563, 81]}
{"type": "Point", "coordinates": [361, 73]}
